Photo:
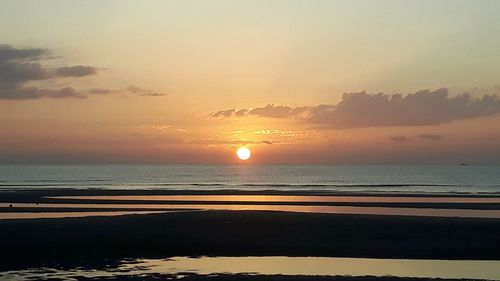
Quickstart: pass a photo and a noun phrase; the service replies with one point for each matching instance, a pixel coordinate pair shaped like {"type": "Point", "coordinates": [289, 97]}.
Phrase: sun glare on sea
{"type": "Point", "coordinates": [243, 153]}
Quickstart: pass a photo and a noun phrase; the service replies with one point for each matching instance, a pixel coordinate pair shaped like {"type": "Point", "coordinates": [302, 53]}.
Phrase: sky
{"type": "Point", "coordinates": [297, 82]}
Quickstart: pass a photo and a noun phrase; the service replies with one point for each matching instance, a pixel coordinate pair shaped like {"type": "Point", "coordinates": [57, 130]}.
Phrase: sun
{"type": "Point", "coordinates": [243, 153]}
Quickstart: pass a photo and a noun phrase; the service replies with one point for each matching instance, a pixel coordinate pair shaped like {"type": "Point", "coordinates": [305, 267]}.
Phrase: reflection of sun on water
{"type": "Point", "coordinates": [243, 153]}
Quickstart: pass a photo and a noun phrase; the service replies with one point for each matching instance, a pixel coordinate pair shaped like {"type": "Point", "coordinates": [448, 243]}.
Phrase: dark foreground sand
{"type": "Point", "coordinates": [99, 242]}
{"type": "Point", "coordinates": [90, 240]}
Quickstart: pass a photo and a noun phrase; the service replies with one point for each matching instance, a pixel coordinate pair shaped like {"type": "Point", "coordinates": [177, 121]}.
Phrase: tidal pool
{"type": "Point", "coordinates": [459, 269]}
{"type": "Point", "coordinates": [391, 211]}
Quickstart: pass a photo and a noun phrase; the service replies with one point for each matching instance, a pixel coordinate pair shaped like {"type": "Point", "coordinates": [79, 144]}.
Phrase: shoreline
{"type": "Point", "coordinates": [187, 232]}
{"type": "Point", "coordinates": [52, 192]}
{"type": "Point", "coordinates": [305, 268]}
{"type": "Point", "coordinates": [83, 200]}
{"type": "Point", "coordinates": [245, 233]}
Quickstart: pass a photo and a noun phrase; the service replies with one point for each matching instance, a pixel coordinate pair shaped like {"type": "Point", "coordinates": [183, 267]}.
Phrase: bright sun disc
{"type": "Point", "coordinates": [243, 153]}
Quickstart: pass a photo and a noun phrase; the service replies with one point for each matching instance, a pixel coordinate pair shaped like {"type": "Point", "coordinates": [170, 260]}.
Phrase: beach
{"type": "Point", "coordinates": [67, 242]}
{"type": "Point", "coordinates": [248, 223]}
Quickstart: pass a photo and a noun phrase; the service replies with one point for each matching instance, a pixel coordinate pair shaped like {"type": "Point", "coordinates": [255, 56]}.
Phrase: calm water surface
{"type": "Point", "coordinates": [468, 179]}
{"type": "Point", "coordinates": [488, 270]}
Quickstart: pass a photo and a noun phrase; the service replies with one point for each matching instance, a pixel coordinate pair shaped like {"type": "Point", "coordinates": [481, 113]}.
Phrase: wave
{"type": "Point", "coordinates": [366, 187]}
{"type": "Point", "coordinates": [68, 181]}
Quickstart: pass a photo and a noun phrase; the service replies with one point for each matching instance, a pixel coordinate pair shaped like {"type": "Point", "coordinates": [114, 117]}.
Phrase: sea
{"type": "Point", "coordinates": [469, 179]}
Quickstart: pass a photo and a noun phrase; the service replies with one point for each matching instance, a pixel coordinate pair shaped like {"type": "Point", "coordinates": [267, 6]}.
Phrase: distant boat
{"type": "Point", "coordinates": [464, 164]}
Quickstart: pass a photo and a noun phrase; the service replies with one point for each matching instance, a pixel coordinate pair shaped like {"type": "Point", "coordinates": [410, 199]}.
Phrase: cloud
{"type": "Point", "coordinates": [212, 141]}
{"type": "Point", "coordinates": [227, 113]}
{"type": "Point", "coordinates": [431, 137]}
{"type": "Point", "coordinates": [19, 67]}
{"type": "Point", "coordinates": [361, 110]}
{"type": "Point", "coordinates": [102, 91]}
{"type": "Point", "coordinates": [7, 52]}
{"type": "Point", "coordinates": [143, 92]}
{"type": "Point", "coordinates": [130, 89]}
{"type": "Point", "coordinates": [421, 108]}
{"type": "Point", "coordinates": [274, 111]}
{"type": "Point", "coordinates": [270, 110]}
{"type": "Point", "coordinates": [241, 112]}
{"type": "Point", "coordinates": [36, 93]}
{"type": "Point", "coordinates": [398, 139]}
{"type": "Point", "coordinates": [76, 71]}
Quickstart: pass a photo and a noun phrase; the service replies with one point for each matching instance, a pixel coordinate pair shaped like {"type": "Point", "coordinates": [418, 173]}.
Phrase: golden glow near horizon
{"type": "Point", "coordinates": [340, 82]}
{"type": "Point", "coordinates": [243, 153]}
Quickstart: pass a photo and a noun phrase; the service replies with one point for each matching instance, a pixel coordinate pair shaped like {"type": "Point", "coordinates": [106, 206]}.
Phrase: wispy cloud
{"type": "Point", "coordinates": [270, 110]}
{"type": "Point", "coordinates": [103, 91]}
{"type": "Point", "coordinates": [76, 71]}
{"type": "Point", "coordinates": [134, 90]}
{"type": "Point", "coordinates": [143, 92]}
{"type": "Point", "coordinates": [19, 67]}
{"type": "Point", "coordinates": [215, 141]}
{"type": "Point", "coordinates": [361, 110]}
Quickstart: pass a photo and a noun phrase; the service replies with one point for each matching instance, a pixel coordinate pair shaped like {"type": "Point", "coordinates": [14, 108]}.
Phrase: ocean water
{"type": "Point", "coordinates": [383, 178]}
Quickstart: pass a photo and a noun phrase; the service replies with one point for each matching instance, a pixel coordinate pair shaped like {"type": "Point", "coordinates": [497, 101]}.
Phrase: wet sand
{"type": "Point", "coordinates": [18, 203]}
{"type": "Point", "coordinates": [25, 208]}
{"type": "Point", "coordinates": [137, 198]}
{"type": "Point", "coordinates": [90, 240]}
{"type": "Point", "coordinates": [244, 233]}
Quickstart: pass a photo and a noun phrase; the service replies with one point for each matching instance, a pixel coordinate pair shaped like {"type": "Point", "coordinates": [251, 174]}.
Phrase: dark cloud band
{"type": "Point", "coordinates": [19, 67]}
{"type": "Point", "coordinates": [76, 71]}
{"type": "Point", "coordinates": [361, 110]}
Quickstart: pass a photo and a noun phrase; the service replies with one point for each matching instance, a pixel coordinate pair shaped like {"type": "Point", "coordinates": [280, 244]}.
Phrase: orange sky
{"type": "Point", "coordinates": [337, 82]}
